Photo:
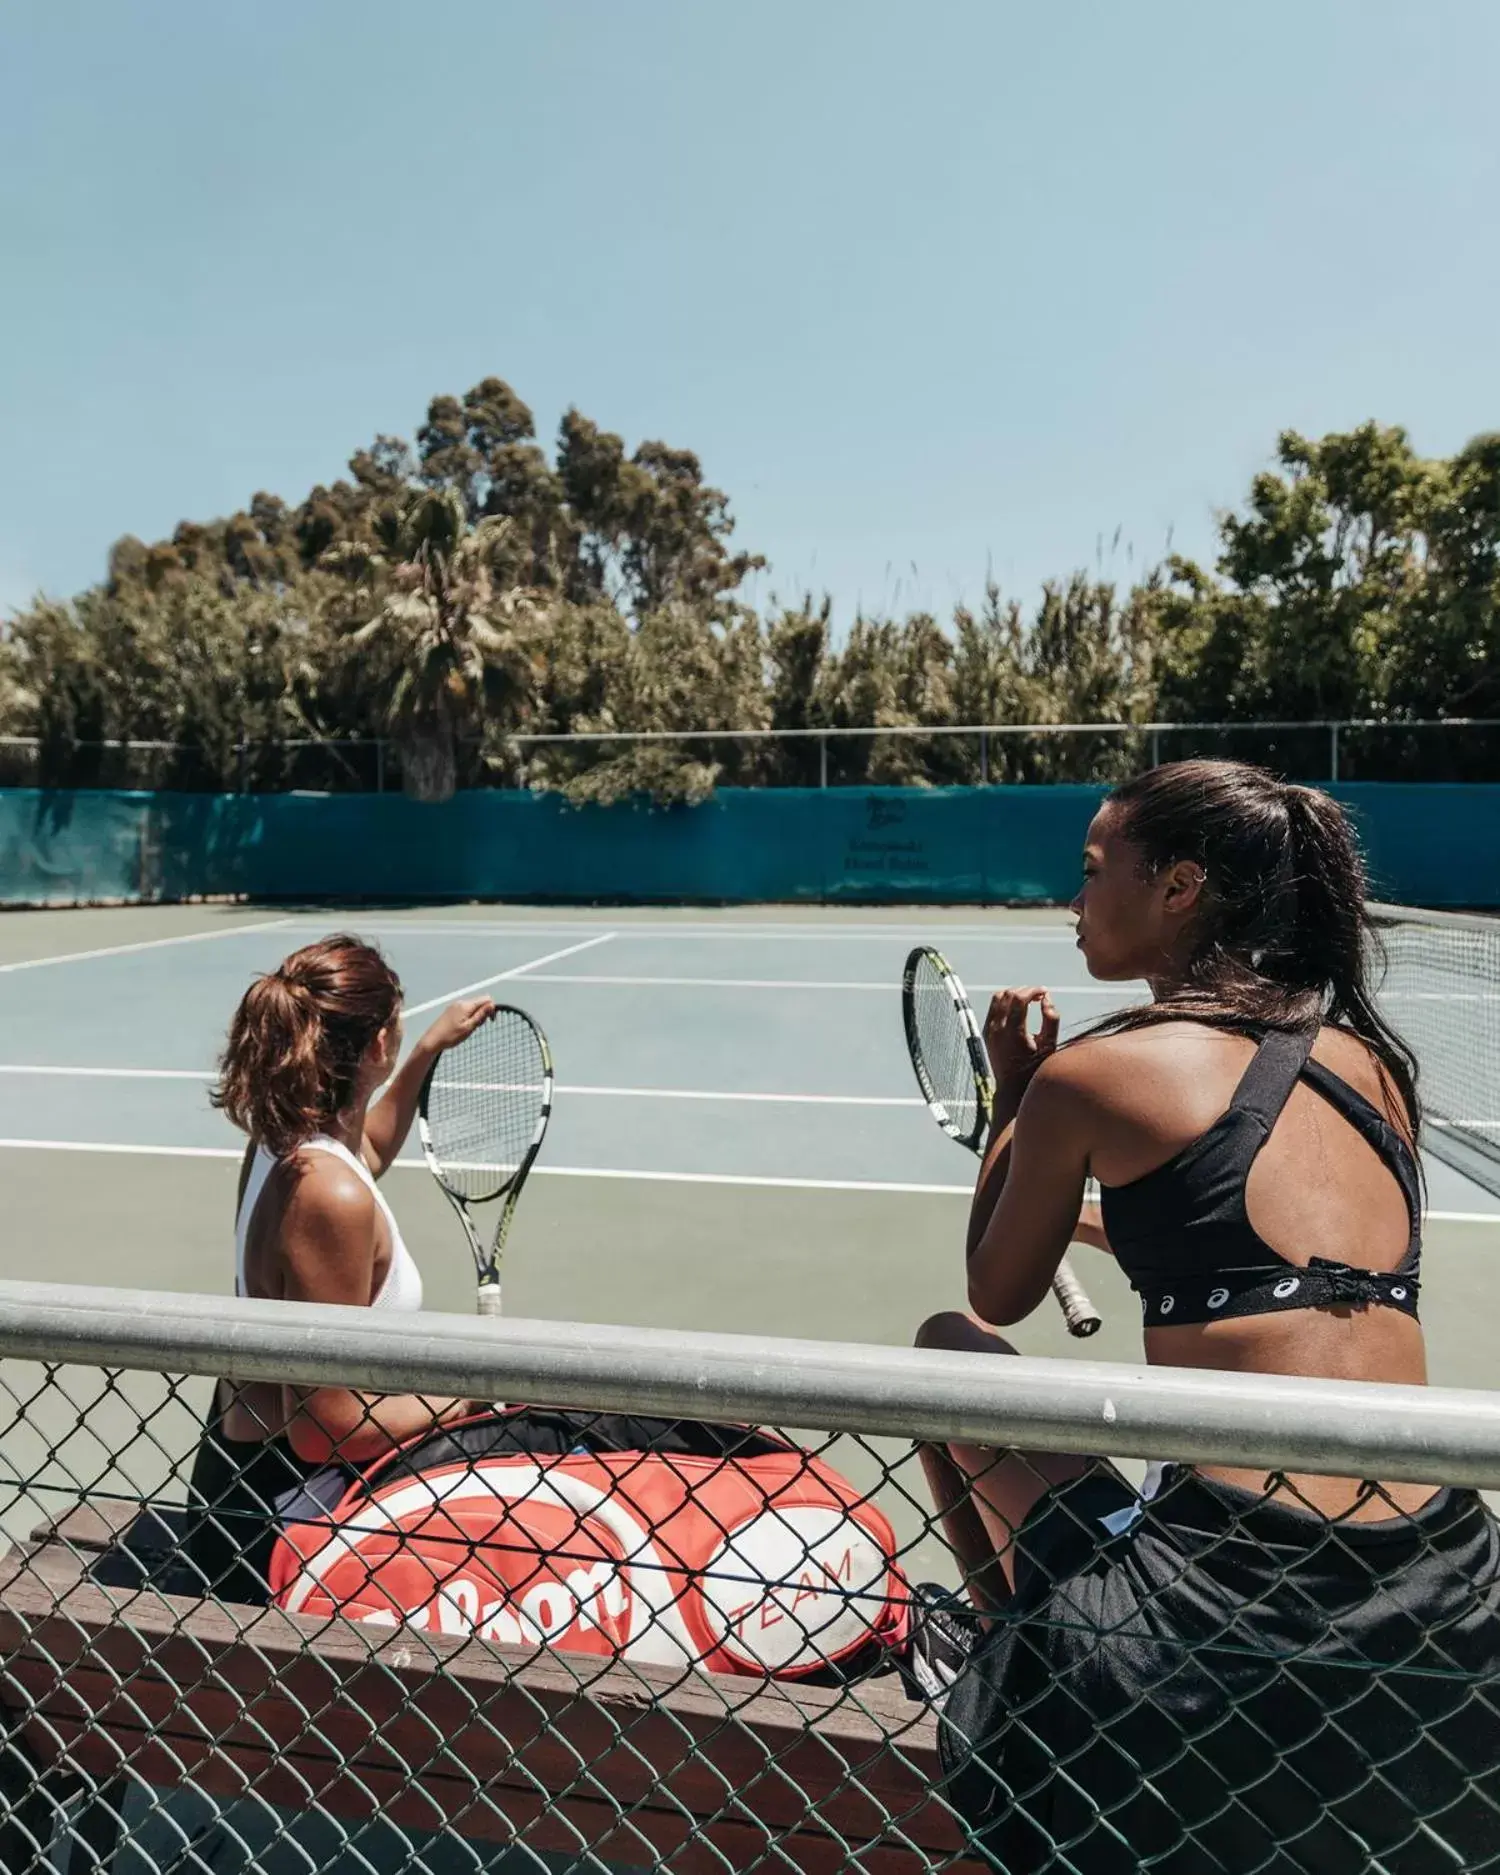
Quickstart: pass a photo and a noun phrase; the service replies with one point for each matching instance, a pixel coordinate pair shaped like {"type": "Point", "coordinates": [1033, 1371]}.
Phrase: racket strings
{"type": "Point", "coordinates": [486, 1101]}
{"type": "Point", "coordinates": [942, 1037]}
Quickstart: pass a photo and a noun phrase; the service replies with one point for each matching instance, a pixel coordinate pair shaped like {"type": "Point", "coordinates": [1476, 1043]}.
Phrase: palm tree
{"type": "Point", "coordinates": [440, 645]}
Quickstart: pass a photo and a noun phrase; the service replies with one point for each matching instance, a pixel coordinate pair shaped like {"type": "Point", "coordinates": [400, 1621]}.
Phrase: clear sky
{"type": "Point", "coordinates": [929, 286]}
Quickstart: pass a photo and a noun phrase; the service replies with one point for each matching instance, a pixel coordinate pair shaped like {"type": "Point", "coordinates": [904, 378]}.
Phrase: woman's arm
{"type": "Point", "coordinates": [1027, 1210]}
{"type": "Point", "coordinates": [1014, 1056]}
{"type": "Point", "coordinates": [327, 1244]}
{"type": "Point", "coordinates": [389, 1121]}
{"type": "Point", "coordinates": [1090, 1229]}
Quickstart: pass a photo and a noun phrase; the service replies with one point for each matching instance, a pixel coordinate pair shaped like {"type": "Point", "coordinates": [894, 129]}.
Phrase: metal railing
{"type": "Point", "coordinates": [1274, 1422]}
{"type": "Point", "coordinates": [632, 1627]}
{"type": "Point", "coordinates": [1324, 748]}
{"type": "Point", "coordinates": [1153, 734]}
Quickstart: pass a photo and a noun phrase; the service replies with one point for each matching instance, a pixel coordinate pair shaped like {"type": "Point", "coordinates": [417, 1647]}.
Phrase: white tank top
{"type": "Point", "coordinates": [402, 1288]}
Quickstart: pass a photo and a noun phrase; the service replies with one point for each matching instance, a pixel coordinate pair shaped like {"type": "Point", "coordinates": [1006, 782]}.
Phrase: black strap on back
{"type": "Point", "coordinates": [1282, 1058]}
{"type": "Point", "coordinates": [1266, 1085]}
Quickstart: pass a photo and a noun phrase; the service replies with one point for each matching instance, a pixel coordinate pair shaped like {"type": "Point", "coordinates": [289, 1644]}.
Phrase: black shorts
{"type": "Point", "coordinates": [1215, 1681]}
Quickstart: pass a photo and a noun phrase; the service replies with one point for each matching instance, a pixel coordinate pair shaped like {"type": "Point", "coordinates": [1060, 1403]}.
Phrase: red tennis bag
{"type": "Point", "coordinates": [669, 1542]}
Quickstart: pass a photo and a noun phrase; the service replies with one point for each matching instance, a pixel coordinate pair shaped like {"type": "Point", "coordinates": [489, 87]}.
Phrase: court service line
{"type": "Point", "coordinates": [205, 1075]}
{"type": "Point", "coordinates": [132, 1150]}
{"type": "Point", "coordinates": [109, 1074]}
{"type": "Point", "coordinates": [770, 983]}
{"type": "Point", "coordinates": [146, 944]}
{"type": "Point", "coordinates": [735, 934]}
{"type": "Point", "coordinates": [578, 1090]}
{"type": "Point", "coordinates": [506, 976]}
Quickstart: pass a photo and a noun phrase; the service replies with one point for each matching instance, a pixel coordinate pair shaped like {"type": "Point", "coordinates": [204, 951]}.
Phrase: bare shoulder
{"type": "Point", "coordinates": [1094, 1060]}
{"type": "Point", "coordinates": [1353, 1060]}
{"type": "Point", "coordinates": [321, 1189]}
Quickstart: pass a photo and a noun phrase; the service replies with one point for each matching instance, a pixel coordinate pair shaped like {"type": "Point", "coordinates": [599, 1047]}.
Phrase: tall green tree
{"type": "Point", "coordinates": [452, 590]}
{"type": "Point", "coordinates": [441, 649]}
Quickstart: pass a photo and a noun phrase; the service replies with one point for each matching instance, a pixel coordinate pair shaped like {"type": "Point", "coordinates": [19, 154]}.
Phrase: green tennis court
{"type": "Point", "coordinates": [737, 1143]}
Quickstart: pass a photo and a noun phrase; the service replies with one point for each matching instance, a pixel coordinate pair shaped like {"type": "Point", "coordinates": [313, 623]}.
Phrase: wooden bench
{"type": "Point", "coordinates": [641, 1768]}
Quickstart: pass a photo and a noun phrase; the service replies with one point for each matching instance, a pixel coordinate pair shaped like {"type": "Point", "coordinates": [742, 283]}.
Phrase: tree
{"type": "Point", "coordinates": [650, 532]}
{"type": "Point", "coordinates": [679, 669]}
{"type": "Point", "coordinates": [1315, 584]}
{"type": "Point", "coordinates": [437, 643]}
{"type": "Point", "coordinates": [181, 663]}
{"type": "Point", "coordinates": [450, 591]}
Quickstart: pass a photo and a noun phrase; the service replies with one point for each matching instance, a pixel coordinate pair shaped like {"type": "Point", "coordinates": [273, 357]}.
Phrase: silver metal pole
{"type": "Point", "coordinates": [1156, 748]}
{"type": "Point", "coordinates": [380, 765]}
{"type": "Point", "coordinates": [1272, 1422]}
{"type": "Point", "coordinates": [984, 758]}
{"type": "Point", "coordinates": [1333, 751]}
{"type": "Point", "coordinates": [822, 761]}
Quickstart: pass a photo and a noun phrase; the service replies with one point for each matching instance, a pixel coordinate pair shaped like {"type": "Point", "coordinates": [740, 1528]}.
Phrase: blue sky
{"type": "Point", "coordinates": [928, 287]}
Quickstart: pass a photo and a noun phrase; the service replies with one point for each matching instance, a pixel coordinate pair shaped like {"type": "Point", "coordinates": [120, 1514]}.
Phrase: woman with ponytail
{"type": "Point", "coordinates": [1244, 1672]}
{"type": "Point", "coordinates": [310, 1047]}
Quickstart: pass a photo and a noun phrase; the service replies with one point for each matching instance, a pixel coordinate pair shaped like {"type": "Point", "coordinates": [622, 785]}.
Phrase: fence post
{"type": "Point", "coordinates": [243, 750]}
{"type": "Point", "coordinates": [822, 761]}
{"type": "Point", "coordinates": [984, 758]}
{"type": "Point", "coordinates": [1333, 751]}
{"type": "Point", "coordinates": [1156, 748]}
{"type": "Point", "coordinates": [380, 765]}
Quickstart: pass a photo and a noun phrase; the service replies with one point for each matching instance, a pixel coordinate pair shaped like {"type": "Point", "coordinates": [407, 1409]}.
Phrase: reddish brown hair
{"type": "Point", "coordinates": [298, 1038]}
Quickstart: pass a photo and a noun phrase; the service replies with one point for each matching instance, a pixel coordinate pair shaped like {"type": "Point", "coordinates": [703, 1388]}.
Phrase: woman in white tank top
{"type": "Point", "coordinates": [310, 1046]}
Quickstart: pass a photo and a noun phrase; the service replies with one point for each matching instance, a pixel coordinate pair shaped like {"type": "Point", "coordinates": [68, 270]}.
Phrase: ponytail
{"type": "Point", "coordinates": [1334, 938]}
{"type": "Point", "coordinates": [1282, 938]}
{"type": "Point", "coordinates": [298, 1039]}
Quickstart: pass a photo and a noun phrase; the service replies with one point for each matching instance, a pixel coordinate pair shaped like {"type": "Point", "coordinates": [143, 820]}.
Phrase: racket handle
{"type": "Point", "coordinates": [1079, 1313]}
{"type": "Point", "coordinates": [489, 1298]}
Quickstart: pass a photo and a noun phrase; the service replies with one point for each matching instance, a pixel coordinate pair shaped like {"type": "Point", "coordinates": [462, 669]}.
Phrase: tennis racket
{"type": "Point", "coordinates": [481, 1119]}
{"type": "Point", "coordinates": [947, 1053]}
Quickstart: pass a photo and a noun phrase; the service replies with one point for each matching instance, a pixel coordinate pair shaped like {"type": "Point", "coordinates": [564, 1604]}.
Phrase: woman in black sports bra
{"type": "Point", "coordinates": [1249, 1673]}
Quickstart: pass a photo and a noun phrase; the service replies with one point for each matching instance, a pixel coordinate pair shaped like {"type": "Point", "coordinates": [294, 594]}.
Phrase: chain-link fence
{"type": "Point", "coordinates": [942, 755]}
{"type": "Point", "coordinates": [705, 1607]}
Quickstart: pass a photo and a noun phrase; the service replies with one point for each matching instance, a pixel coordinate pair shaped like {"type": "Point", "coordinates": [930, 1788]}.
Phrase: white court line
{"type": "Point", "coordinates": [688, 1093]}
{"type": "Point", "coordinates": [205, 1075]}
{"type": "Point", "coordinates": [596, 1171]}
{"type": "Point", "coordinates": [506, 976]}
{"type": "Point", "coordinates": [111, 1074]}
{"type": "Point", "coordinates": [773, 983]}
{"type": "Point", "coordinates": [539, 1171]}
{"type": "Point", "coordinates": [146, 944]}
{"type": "Point", "coordinates": [735, 934]}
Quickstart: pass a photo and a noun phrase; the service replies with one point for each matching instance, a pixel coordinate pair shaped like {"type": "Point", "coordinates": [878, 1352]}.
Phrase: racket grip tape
{"type": "Point", "coordinates": [1079, 1313]}
{"type": "Point", "coordinates": [489, 1299]}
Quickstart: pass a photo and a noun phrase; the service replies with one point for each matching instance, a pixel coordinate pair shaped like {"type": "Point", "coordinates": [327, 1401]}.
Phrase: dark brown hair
{"type": "Point", "coordinates": [1282, 937]}
{"type": "Point", "coordinates": [298, 1038]}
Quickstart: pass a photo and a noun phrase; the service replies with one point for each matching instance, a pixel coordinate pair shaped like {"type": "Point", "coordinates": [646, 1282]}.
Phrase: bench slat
{"type": "Point", "coordinates": [92, 1526]}
{"type": "Point", "coordinates": [802, 1760]}
{"type": "Point", "coordinates": [652, 1837]}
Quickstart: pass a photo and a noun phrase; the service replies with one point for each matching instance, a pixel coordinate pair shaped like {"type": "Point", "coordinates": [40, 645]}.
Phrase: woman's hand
{"type": "Point", "coordinates": [457, 1023]}
{"type": "Point", "coordinates": [389, 1121]}
{"type": "Point", "coordinates": [1015, 1055]}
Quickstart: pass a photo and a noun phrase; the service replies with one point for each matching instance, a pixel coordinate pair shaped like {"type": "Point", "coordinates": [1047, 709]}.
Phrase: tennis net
{"type": "Point", "coordinates": [1441, 991]}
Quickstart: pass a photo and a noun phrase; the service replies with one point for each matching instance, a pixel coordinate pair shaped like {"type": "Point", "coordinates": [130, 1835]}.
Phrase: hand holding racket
{"type": "Point", "coordinates": [482, 1116]}
{"type": "Point", "coordinates": [953, 1072]}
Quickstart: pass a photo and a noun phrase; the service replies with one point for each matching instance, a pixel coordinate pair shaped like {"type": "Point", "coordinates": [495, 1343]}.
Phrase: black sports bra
{"type": "Point", "coordinates": [1184, 1238]}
